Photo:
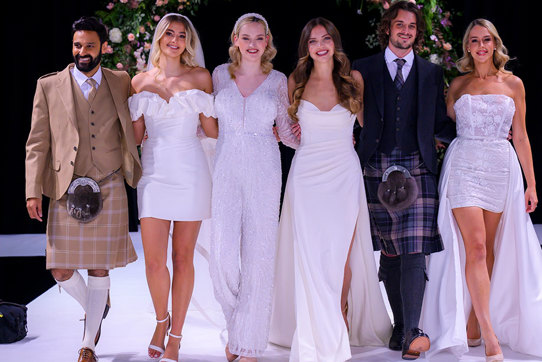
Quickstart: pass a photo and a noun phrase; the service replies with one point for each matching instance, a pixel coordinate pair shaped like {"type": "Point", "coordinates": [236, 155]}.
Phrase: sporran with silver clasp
{"type": "Point", "coordinates": [84, 199]}
{"type": "Point", "coordinates": [398, 189]}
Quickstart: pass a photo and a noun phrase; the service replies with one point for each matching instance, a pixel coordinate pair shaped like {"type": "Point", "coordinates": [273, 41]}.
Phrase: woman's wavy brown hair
{"type": "Point", "coordinates": [347, 89]}
{"type": "Point", "coordinates": [500, 53]}
{"type": "Point", "coordinates": [235, 55]}
{"type": "Point", "coordinates": [391, 13]}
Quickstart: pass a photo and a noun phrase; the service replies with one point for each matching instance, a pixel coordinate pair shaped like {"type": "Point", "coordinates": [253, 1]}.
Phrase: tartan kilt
{"type": "Point", "coordinates": [103, 243]}
{"type": "Point", "coordinates": [414, 229]}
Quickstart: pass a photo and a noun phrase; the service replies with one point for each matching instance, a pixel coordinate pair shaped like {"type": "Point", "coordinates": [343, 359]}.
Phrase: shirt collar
{"type": "Point", "coordinates": [390, 56]}
{"type": "Point", "coordinates": [80, 78]}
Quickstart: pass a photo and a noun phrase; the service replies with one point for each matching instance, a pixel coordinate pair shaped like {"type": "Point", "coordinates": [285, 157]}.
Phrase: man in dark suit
{"type": "Point", "coordinates": [404, 109]}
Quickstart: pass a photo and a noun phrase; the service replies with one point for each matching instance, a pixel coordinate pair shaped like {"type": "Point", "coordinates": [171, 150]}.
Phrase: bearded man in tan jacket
{"type": "Point", "coordinates": [81, 127]}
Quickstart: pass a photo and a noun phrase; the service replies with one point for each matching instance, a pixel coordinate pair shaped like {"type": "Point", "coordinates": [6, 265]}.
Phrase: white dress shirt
{"type": "Point", "coordinates": [390, 57]}
{"type": "Point", "coordinates": [81, 80]}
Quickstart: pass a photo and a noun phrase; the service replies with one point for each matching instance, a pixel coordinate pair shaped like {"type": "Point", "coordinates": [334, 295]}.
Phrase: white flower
{"type": "Point", "coordinates": [115, 35]}
{"type": "Point", "coordinates": [435, 59]}
{"type": "Point", "coordinates": [433, 37]}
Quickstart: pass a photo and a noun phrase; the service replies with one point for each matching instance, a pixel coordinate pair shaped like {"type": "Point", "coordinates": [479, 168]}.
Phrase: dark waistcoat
{"type": "Point", "coordinates": [400, 114]}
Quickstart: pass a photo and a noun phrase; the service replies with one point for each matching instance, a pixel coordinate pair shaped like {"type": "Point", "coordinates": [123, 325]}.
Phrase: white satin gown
{"type": "Point", "coordinates": [481, 169]}
{"type": "Point", "coordinates": [324, 206]}
{"type": "Point", "coordinates": [176, 182]}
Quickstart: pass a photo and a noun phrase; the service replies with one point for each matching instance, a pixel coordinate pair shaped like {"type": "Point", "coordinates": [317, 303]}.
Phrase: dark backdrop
{"type": "Point", "coordinates": [38, 42]}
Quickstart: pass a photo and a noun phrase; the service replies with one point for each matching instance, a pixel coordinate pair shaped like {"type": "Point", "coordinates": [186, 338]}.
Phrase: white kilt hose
{"type": "Point", "coordinates": [103, 243]}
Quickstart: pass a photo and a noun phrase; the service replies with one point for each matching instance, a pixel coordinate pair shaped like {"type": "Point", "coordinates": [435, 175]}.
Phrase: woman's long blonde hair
{"type": "Point", "coordinates": [189, 54]}
{"type": "Point", "coordinates": [500, 54]}
{"type": "Point", "coordinates": [235, 55]}
{"type": "Point", "coordinates": [347, 90]}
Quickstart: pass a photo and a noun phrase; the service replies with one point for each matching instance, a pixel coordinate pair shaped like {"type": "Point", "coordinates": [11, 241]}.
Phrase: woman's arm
{"type": "Point", "coordinates": [521, 142]}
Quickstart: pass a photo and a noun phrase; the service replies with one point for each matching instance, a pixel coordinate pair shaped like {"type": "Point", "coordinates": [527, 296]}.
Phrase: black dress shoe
{"type": "Point", "coordinates": [397, 337]}
{"type": "Point", "coordinates": [415, 342]}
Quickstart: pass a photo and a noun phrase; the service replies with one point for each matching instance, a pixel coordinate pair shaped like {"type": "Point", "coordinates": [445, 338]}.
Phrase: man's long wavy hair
{"type": "Point", "coordinates": [347, 90]}
{"type": "Point", "coordinates": [385, 23]}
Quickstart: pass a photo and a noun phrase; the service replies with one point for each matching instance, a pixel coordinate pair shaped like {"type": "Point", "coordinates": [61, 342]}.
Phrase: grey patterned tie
{"type": "Point", "coordinates": [92, 92]}
{"type": "Point", "coordinates": [399, 80]}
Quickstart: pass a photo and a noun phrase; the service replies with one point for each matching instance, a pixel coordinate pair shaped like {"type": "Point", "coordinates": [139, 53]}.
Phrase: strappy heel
{"type": "Point", "coordinates": [154, 348]}
{"type": "Point", "coordinates": [171, 335]}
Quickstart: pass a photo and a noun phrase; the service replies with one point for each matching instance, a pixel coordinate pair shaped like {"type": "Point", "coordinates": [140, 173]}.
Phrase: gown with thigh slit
{"type": "Point", "coordinates": [324, 207]}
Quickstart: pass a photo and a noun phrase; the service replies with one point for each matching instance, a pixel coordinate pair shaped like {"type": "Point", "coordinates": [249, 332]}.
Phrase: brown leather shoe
{"type": "Point", "coordinates": [87, 355]}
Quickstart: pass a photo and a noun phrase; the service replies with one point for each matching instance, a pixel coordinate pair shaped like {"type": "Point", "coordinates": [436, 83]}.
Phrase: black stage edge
{"type": "Point", "coordinates": [23, 278]}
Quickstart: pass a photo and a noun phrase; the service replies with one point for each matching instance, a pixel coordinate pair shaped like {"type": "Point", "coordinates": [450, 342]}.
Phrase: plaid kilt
{"type": "Point", "coordinates": [414, 229]}
{"type": "Point", "coordinates": [103, 243]}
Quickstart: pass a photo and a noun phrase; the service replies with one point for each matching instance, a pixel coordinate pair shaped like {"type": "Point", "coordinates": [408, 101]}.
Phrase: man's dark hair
{"type": "Point", "coordinates": [391, 13]}
{"type": "Point", "coordinates": [91, 23]}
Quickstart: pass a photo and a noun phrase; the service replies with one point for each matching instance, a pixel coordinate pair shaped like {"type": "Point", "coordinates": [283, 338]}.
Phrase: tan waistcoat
{"type": "Point", "coordinates": [99, 152]}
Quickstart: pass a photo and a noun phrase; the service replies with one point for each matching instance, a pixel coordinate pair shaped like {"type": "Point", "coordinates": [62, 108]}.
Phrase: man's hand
{"type": "Point", "coordinates": [276, 133]}
{"type": "Point", "coordinates": [296, 130]}
{"type": "Point", "coordinates": [439, 145]}
{"type": "Point", "coordinates": [33, 206]}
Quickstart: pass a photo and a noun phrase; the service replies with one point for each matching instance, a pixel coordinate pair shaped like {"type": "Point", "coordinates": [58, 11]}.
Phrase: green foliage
{"type": "Point", "coordinates": [131, 24]}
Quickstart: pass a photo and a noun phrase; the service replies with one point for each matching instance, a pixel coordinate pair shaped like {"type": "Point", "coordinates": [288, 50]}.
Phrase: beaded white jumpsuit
{"type": "Point", "coordinates": [245, 205]}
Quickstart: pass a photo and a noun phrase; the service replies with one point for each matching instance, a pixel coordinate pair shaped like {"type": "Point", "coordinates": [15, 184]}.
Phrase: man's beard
{"type": "Point", "coordinates": [88, 66]}
{"type": "Point", "coordinates": [399, 45]}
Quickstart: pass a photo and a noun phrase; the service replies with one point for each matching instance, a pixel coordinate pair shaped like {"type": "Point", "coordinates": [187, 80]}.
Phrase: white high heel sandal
{"type": "Point", "coordinates": [152, 347]}
{"type": "Point", "coordinates": [169, 359]}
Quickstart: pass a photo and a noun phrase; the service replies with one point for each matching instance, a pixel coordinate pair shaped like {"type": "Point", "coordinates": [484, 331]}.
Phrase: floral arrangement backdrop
{"type": "Point", "coordinates": [131, 24]}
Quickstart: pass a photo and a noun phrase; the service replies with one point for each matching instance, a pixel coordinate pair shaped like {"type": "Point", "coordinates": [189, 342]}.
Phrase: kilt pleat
{"type": "Point", "coordinates": [103, 243]}
{"type": "Point", "coordinates": [414, 229]}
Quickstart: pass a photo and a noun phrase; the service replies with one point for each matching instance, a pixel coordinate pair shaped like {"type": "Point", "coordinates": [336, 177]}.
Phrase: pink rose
{"type": "Point", "coordinates": [109, 50]}
{"type": "Point", "coordinates": [110, 6]}
{"type": "Point", "coordinates": [147, 46]}
{"type": "Point", "coordinates": [156, 18]}
{"type": "Point", "coordinates": [119, 65]}
{"type": "Point", "coordinates": [124, 1]}
{"type": "Point", "coordinates": [142, 29]}
{"type": "Point", "coordinates": [447, 46]}
{"type": "Point", "coordinates": [131, 37]}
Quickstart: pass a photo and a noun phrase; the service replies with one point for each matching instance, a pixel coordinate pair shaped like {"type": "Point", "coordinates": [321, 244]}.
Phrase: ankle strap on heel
{"type": "Point", "coordinates": [174, 336]}
{"type": "Point", "coordinates": [163, 320]}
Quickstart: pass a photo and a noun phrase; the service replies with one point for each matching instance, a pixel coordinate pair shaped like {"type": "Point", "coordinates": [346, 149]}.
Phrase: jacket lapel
{"type": "Point", "coordinates": [65, 92]}
{"type": "Point", "coordinates": [378, 85]}
{"type": "Point", "coordinates": [424, 89]}
{"type": "Point", "coordinates": [117, 95]}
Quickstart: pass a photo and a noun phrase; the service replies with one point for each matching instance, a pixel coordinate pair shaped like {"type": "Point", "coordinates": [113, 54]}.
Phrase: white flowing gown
{"type": "Point", "coordinates": [324, 206]}
{"type": "Point", "coordinates": [515, 301]}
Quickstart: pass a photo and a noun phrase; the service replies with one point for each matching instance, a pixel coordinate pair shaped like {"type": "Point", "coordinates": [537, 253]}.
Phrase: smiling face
{"type": "Point", "coordinates": [251, 41]}
{"type": "Point", "coordinates": [173, 42]}
{"type": "Point", "coordinates": [481, 44]}
{"type": "Point", "coordinates": [320, 44]}
{"type": "Point", "coordinates": [87, 51]}
{"type": "Point", "coordinates": [402, 32]}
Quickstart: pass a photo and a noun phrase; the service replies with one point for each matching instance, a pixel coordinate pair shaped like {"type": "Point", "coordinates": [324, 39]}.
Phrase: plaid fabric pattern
{"type": "Point", "coordinates": [414, 229]}
{"type": "Point", "coordinates": [103, 243]}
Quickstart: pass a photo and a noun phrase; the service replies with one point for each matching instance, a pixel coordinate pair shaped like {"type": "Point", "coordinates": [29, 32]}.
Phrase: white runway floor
{"type": "Point", "coordinates": [55, 329]}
